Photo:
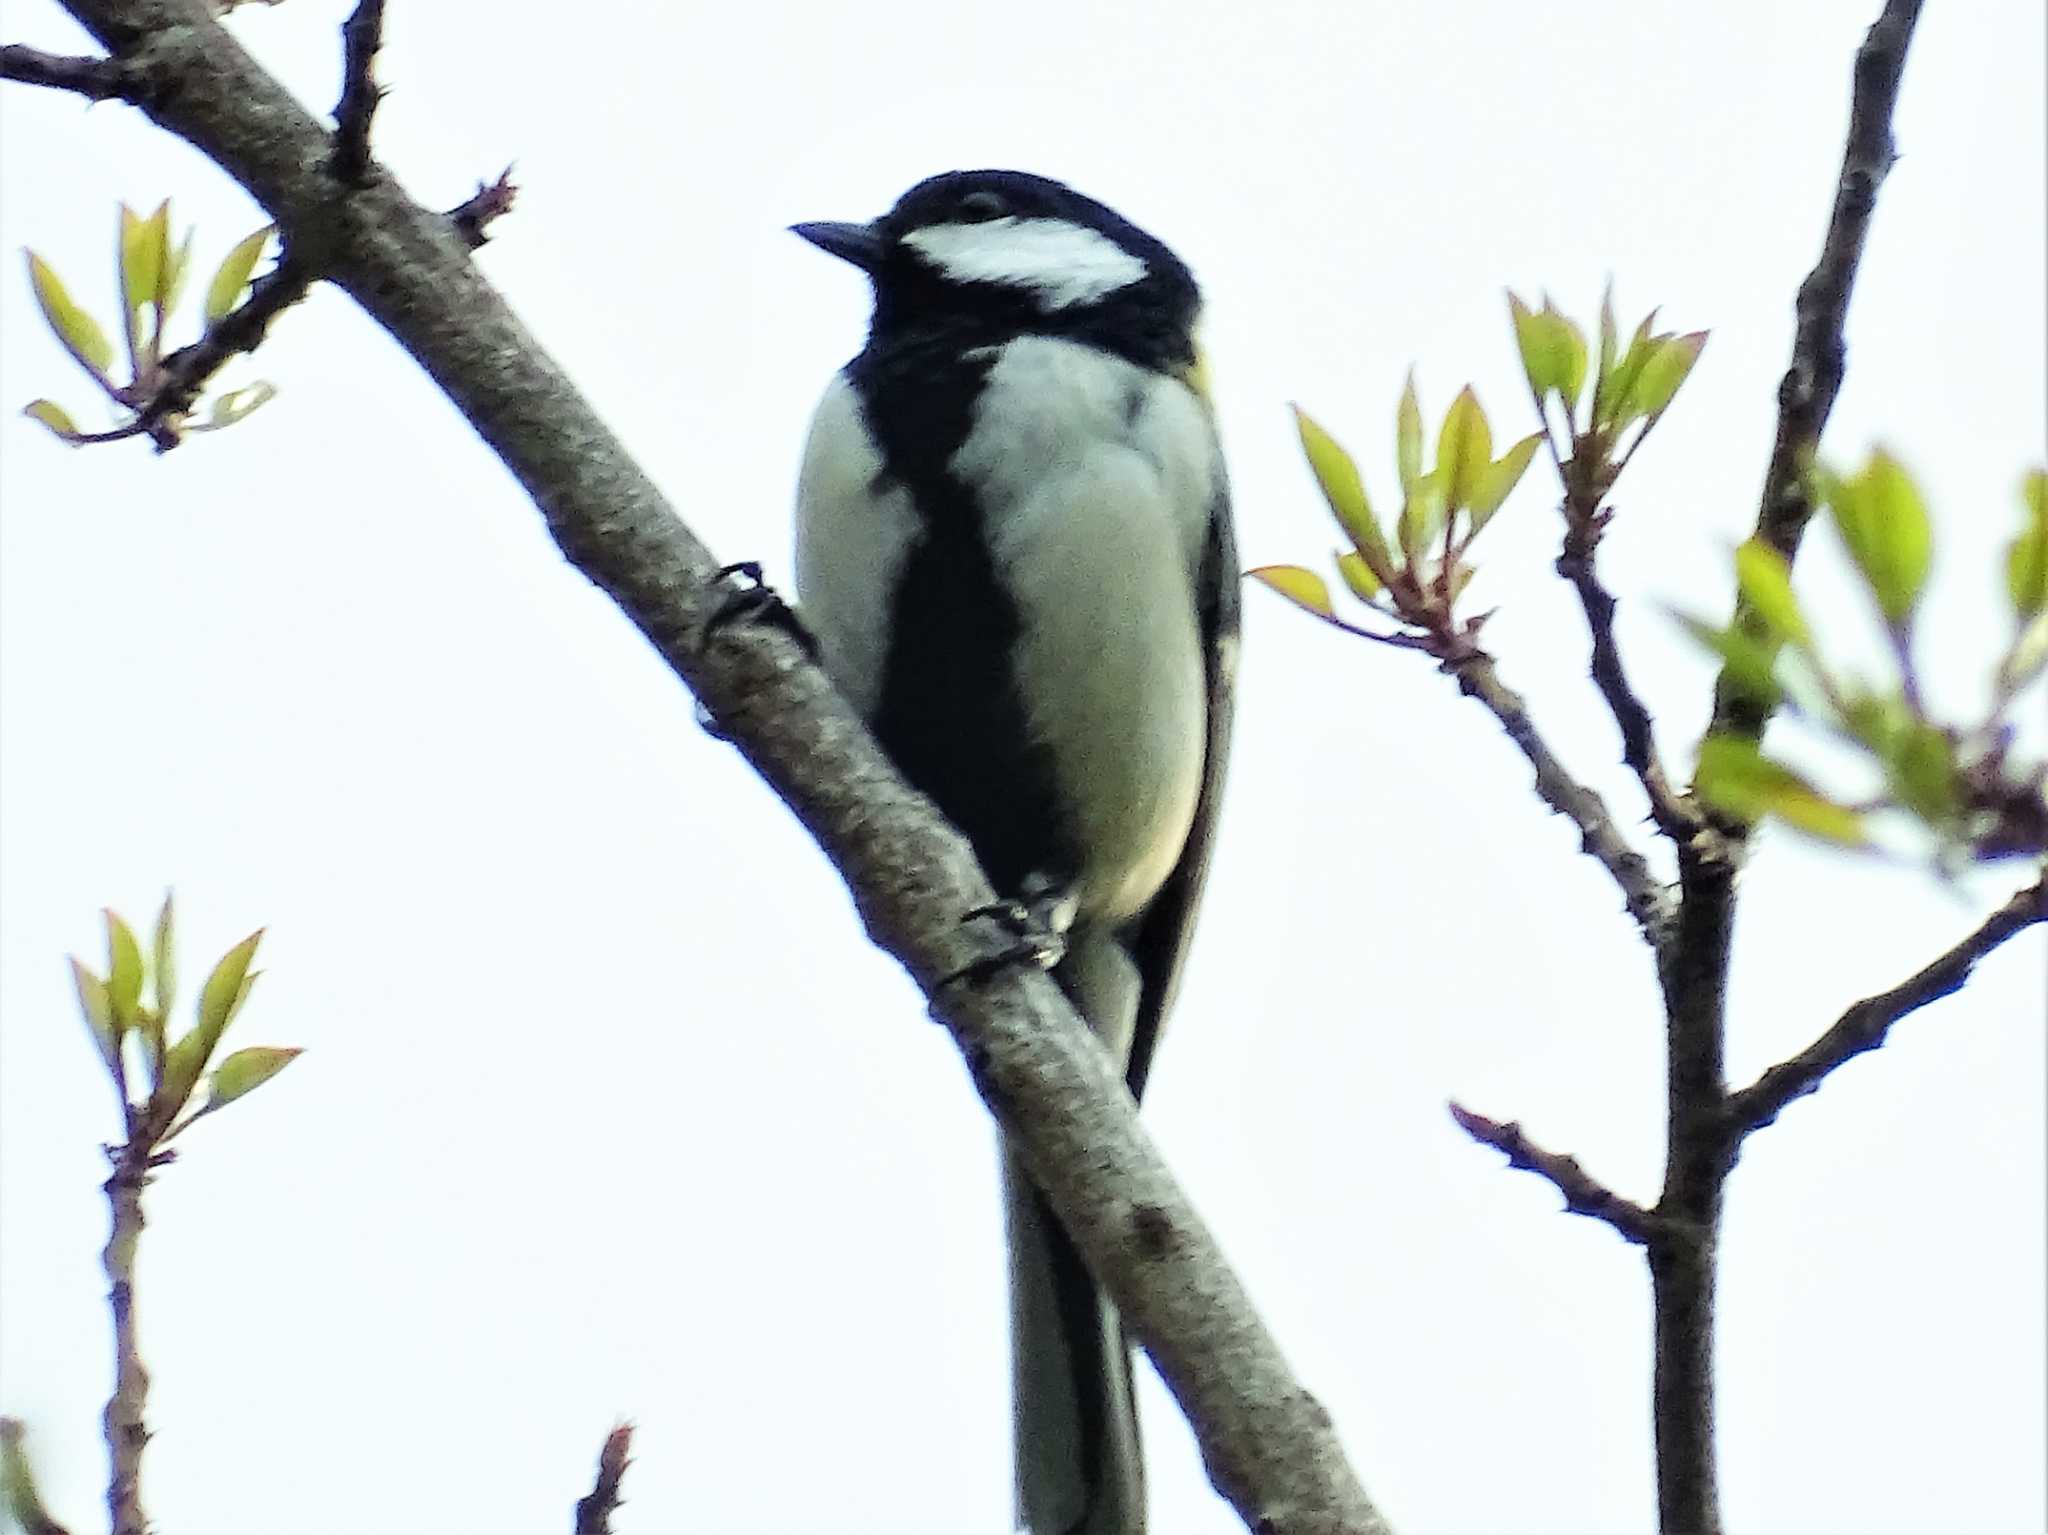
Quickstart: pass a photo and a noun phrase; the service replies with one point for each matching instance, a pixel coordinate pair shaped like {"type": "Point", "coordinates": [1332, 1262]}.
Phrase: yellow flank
{"type": "Point", "coordinates": [1196, 375]}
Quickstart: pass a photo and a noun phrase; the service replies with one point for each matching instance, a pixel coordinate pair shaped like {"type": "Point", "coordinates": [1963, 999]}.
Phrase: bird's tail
{"type": "Point", "coordinates": [1076, 1423]}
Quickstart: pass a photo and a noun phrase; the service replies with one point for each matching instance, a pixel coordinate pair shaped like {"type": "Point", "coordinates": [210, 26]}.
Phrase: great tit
{"type": "Point", "coordinates": [1013, 545]}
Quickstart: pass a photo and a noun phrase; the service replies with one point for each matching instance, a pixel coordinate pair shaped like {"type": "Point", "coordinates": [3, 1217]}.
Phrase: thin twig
{"type": "Point", "coordinates": [1583, 1193]}
{"type": "Point", "coordinates": [492, 200]}
{"type": "Point", "coordinates": [94, 79]}
{"type": "Point", "coordinates": [1807, 393]}
{"type": "Point", "coordinates": [361, 35]}
{"type": "Point", "coordinates": [1674, 814]}
{"type": "Point", "coordinates": [1865, 1025]}
{"type": "Point", "coordinates": [1647, 898]}
{"type": "Point", "coordinates": [188, 370]}
{"type": "Point", "coordinates": [594, 1509]}
{"type": "Point", "coordinates": [125, 1422]}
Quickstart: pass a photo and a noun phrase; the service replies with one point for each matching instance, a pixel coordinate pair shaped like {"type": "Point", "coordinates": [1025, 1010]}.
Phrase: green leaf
{"type": "Point", "coordinates": [21, 1500]}
{"type": "Point", "coordinates": [1618, 394]}
{"type": "Point", "coordinates": [79, 331]}
{"type": "Point", "coordinates": [124, 969]}
{"type": "Point", "coordinates": [2027, 659]}
{"type": "Point", "coordinates": [1879, 721]}
{"type": "Point", "coordinates": [1422, 514]}
{"type": "Point", "coordinates": [1884, 526]}
{"type": "Point", "coordinates": [55, 417]}
{"type": "Point", "coordinates": [179, 268]}
{"type": "Point", "coordinates": [138, 257]}
{"type": "Point", "coordinates": [98, 1009]}
{"type": "Point", "coordinates": [2026, 558]}
{"type": "Point", "coordinates": [1739, 779]}
{"type": "Point", "coordinates": [1603, 377]}
{"type": "Point", "coordinates": [1464, 448]}
{"type": "Point", "coordinates": [1922, 773]}
{"type": "Point", "coordinates": [224, 992]}
{"type": "Point", "coordinates": [1359, 575]}
{"type": "Point", "coordinates": [1545, 347]}
{"type": "Point", "coordinates": [1337, 475]}
{"type": "Point", "coordinates": [1751, 663]}
{"type": "Point", "coordinates": [1408, 437]}
{"type": "Point", "coordinates": [183, 1063]}
{"type": "Point", "coordinates": [1765, 582]}
{"type": "Point", "coordinates": [1299, 585]}
{"type": "Point", "coordinates": [232, 279]}
{"type": "Point", "coordinates": [1573, 342]}
{"type": "Point", "coordinates": [232, 406]}
{"type": "Point", "coordinates": [1665, 370]}
{"type": "Point", "coordinates": [245, 1071]}
{"type": "Point", "coordinates": [164, 958]}
{"type": "Point", "coordinates": [1501, 477]}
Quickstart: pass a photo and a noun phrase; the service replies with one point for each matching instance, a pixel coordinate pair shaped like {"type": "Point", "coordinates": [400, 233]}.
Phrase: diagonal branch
{"type": "Point", "coordinates": [1268, 1445]}
{"type": "Point", "coordinates": [1675, 815]}
{"type": "Point", "coordinates": [1807, 393]}
{"type": "Point", "coordinates": [1583, 1193]}
{"type": "Point", "coordinates": [1646, 896]}
{"type": "Point", "coordinates": [1867, 1023]}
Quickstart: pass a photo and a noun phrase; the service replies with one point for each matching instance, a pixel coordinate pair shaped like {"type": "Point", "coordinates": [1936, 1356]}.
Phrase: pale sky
{"type": "Point", "coordinates": [608, 1109]}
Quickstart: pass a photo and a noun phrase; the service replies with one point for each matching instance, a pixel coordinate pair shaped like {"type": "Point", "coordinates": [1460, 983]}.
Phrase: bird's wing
{"type": "Point", "coordinates": [1160, 938]}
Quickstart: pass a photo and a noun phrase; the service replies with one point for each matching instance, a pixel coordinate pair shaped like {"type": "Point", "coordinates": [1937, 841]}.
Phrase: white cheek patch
{"type": "Point", "coordinates": [1062, 263]}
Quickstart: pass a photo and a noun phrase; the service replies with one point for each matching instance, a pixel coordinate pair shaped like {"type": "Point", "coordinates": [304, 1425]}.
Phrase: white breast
{"type": "Point", "coordinates": [853, 532]}
{"type": "Point", "coordinates": [1097, 477]}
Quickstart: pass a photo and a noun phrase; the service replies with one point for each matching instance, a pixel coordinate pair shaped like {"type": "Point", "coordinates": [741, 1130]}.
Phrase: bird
{"type": "Point", "coordinates": [1014, 550]}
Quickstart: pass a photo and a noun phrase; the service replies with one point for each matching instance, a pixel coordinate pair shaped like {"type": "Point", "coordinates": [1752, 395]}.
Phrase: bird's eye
{"type": "Point", "coordinates": [980, 207]}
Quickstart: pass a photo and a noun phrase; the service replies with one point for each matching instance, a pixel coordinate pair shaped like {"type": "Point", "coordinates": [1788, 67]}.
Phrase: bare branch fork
{"type": "Point", "coordinates": [1706, 1123]}
{"type": "Point", "coordinates": [1268, 1446]}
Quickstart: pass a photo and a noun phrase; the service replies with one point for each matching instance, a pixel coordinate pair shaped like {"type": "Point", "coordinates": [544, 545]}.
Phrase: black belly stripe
{"type": "Point", "coordinates": [949, 714]}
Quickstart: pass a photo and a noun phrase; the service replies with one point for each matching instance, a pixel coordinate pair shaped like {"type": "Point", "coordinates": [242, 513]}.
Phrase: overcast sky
{"type": "Point", "coordinates": [607, 1108]}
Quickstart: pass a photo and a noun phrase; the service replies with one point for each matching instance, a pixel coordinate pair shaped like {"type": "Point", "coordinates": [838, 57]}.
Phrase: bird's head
{"type": "Point", "coordinates": [1001, 253]}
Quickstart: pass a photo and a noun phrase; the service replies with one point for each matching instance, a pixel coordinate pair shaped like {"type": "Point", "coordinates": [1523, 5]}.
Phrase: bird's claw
{"type": "Point", "coordinates": [1034, 928]}
{"type": "Point", "coordinates": [747, 598]}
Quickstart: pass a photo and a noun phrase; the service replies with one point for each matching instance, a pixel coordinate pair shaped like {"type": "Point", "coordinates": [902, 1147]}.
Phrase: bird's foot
{"type": "Point", "coordinates": [746, 598]}
{"type": "Point", "coordinates": [1032, 929]}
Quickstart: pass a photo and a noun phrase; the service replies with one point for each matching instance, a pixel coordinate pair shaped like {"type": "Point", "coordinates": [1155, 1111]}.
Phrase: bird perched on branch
{"type": "Point", "coordinates": [1014, 549]}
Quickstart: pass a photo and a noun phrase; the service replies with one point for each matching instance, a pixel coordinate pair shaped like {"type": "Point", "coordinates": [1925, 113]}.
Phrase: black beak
{"type": "Point", "coordinates": [860, 244]}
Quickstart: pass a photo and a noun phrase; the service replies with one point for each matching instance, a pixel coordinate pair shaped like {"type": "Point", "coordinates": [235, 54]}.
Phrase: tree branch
{"type": "Point", "coordinates": [126, 1426]}
{"type": "Point", "coordinates": [1583, 1193]}
{"type": "Point", "coordinates": [94, 79]}
{"type": "Point", "coordinates": [1674, 814]}
{"type": "Point", "coordinates": [1699, 1144]}
{"type": "Point", "coordinates": [1269, 1447]}
{"type": "Point", "coordinates": [361, 36]}
{"type": "Point", "coordinates": [188, 370]}
{"type": "Point", "coordinates": [1807, 393]}
{"type": "Point", "coordinates": [595, 1509]}
{"type": "Point", "coordinates": [1647, 898]}
{"type": "Point", "coordinates": [1866, 1024]}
